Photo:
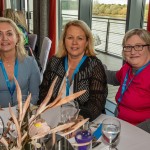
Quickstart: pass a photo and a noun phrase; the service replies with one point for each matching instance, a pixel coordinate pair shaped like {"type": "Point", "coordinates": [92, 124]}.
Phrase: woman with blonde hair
{"type": "Point", "coordinates": [14, 61]}
{"type": "Point", "coordinates": [76, 63]}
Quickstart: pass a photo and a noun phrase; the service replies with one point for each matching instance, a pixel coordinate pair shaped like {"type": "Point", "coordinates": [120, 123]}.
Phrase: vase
{"type": "Point", "coordinates": [28, 146]}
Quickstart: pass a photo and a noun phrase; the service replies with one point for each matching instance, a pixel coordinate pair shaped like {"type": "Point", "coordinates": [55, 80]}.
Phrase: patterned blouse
{"type": "Point", "coordinates": [90, 77]}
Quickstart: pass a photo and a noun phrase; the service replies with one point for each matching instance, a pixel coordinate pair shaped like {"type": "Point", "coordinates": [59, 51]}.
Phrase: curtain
{"type": "Point", "coordinates": [148, 19]}
{"type": "Point", "coordinates": [1, 7]}
{"type": "Point", "coordinates": [52, 26]}
{"type": "Point", "coordinates": [40, 22]}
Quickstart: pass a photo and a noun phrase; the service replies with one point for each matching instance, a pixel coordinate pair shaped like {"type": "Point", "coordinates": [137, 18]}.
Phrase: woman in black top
{"type": "Point", "coordinates": [85, 71]}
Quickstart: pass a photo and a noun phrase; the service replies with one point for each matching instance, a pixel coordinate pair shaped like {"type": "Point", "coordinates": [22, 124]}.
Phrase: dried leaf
{"type": "Point", "coordinates": [81, 144]}
{"type": "Point", "coordinates": [36, 144]}
{"type": "Point", "coordinates": [62, 127]}
{"type": "Point", "coordinates": [69, 98]}
{"type": "Point", "coordinates": [19, 97]}
{"type": "Point", "coordinates": [17, 126]}
{"type": "Point", "coordinates": [25, 107]}
{"type": "Point", "coordinates": [53, 138]}
{"type": "Point", "coordinates": [4, 141]}
{"type": "Point", "coordinates": [41, 135]}
{"type": "Point", "coordinates": [47, 98]}
{"type": "Point", "coordinates": [58, 98]}
{"type": "Point", "coordinates": [75, 127]}
{"type": "Point", "coordinates": [24, 136]}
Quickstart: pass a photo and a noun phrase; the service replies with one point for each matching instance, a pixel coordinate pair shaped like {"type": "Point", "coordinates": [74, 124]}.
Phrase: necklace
{"type": "Point", "coordinates": [9, 63]}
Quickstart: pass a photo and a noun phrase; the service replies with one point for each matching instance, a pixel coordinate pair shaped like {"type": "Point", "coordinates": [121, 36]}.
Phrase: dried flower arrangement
{"type": "Point", "coordinates": [28, 128]}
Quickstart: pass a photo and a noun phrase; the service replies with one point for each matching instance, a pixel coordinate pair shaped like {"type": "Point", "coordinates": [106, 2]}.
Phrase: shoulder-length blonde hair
{"type": "Point", "coordinates": [20, 50]}
{"type": "Point", "coordinates": [89, 51]}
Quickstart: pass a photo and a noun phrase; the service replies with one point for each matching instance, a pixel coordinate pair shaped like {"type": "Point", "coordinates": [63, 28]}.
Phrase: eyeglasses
{"type": "Point", "coordinates": [136, 48]}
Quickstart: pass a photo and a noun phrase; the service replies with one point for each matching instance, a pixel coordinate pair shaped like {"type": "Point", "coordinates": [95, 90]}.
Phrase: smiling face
{"type": "Point", "coordinates": [8, 38]}
{"type": "Point", "coordinates": [137, 58]}
{"type": "Point", "coordinates": [75, 42]}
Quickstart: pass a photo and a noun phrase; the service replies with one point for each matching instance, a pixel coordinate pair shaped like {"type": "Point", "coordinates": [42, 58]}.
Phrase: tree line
{"type": "Point", "coordinates": [113, 10]}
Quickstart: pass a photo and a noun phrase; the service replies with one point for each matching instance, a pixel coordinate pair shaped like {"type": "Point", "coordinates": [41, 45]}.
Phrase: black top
{"type": "Point", "coordinates": [91, 77]}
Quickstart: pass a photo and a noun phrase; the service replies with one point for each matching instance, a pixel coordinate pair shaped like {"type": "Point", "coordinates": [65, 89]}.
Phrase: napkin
{"type": "Point", "coordinates": [98, 132]}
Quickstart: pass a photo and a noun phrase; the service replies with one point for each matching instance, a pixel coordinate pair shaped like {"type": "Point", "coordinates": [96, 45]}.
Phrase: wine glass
{"type": "Point", "coordinates": [111, 130]}
{"type": "Point", "coordinates": [1, 127]}
{"type": "Point", "coordinates": [69, 112]}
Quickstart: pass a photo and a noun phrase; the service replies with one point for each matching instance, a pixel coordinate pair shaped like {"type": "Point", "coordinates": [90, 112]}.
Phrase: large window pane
{"type": "Point", "coordinates": [108, 23]}
{"type": "Point", "coordinates": [69, 10]}
{"type": "Point", "coordinates": [108, 26]}
{"type": "Point", "coordinates": [146, 14]}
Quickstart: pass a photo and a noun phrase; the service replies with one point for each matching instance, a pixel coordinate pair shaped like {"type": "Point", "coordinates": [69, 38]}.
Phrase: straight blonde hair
{"type": "Point", "coordinates": [89, 51]}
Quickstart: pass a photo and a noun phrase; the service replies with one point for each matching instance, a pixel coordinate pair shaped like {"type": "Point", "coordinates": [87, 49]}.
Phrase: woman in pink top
{"type": "Point", "coordinates": [133, 96]}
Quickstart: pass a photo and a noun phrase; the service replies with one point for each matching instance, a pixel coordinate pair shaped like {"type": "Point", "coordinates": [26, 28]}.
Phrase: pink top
{"type": "Point", "coordinates": [135, 104]}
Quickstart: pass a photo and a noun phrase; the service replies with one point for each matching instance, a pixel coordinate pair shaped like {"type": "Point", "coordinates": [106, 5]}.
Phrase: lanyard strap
{"type": "Point", "coordinates": [75, 71]}
{"type": "Point", "coordinates": [125, 86]}
{"type": "Point", "coordinates": [10, 88]}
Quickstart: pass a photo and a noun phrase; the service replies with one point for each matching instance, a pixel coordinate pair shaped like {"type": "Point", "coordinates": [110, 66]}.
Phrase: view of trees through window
{"type": "Point", "coordinates": [114, 10]}
{"type": "Point", "coordinates": [111, 10]}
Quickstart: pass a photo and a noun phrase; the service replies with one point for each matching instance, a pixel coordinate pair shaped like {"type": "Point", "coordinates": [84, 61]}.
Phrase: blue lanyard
{"type": "Point", "coordinates": [10, 88]}
{"type": "Point", "coordinates": [75, 71]}
{"type": "Point", "coordinates": [125, 86]}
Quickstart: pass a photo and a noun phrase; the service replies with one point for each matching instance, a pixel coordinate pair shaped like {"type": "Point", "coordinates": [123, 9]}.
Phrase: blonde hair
{"type": "Point", "coordinates": [17, 16]}
{"type": "Point", "coordinates": [22, 18]}
{"type": "Point", "coordinates": [20, 50]}
{"type": "Point", "coordinates": [89, 51]}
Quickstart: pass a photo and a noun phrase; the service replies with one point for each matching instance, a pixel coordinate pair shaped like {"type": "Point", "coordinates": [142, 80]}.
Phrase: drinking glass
{"type": "Point", "coordinates": [69, 112]}
{"type": "Point", "coordinates": [84, 137]}
{"type": "Point", "coordinates": [1, 127]}
{"type": "Point", "coordinates": [111, 130]}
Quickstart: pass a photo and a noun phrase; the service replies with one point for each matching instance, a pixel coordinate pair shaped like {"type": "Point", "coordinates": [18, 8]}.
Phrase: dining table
{"type": "Point", "coordinates": [131, 137]}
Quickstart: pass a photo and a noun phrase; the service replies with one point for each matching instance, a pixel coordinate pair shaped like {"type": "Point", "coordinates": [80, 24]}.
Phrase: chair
{"type": "Point", "coordinates": [45, 48]}
{"type": "Point", "coordinates": [32, 40]}
{"type": "Point", "coordinates": [110, 108]}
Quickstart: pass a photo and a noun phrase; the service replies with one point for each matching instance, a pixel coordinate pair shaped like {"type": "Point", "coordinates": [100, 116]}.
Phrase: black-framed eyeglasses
{"type": "Point", "coordinates": [128, 48]}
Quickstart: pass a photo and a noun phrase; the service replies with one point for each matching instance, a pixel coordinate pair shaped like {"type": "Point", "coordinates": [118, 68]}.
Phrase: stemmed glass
{"type": "Point", "coordinates": [69, 112]}
{"type": "Point", "coordinates": [1, 127]}
{"type": "Point", "coordinates": [111, 130]}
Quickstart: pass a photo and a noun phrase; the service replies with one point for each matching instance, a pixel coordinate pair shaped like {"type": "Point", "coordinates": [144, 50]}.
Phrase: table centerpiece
{"type": "Point", "coordinates": [24, 129]}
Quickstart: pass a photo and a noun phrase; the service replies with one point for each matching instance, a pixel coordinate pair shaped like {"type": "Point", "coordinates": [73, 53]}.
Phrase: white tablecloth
{"type": "Point", "coordinates": [52, 116]}
{"type": "Point", "coordinates": [131, 137]}
{"type": "Point", "coordinates": [6, 115]}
